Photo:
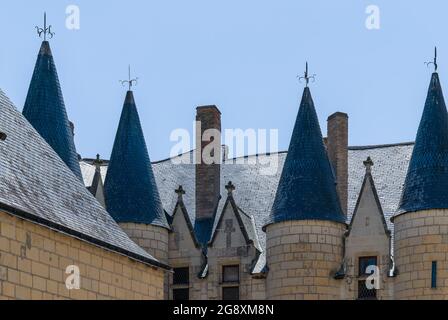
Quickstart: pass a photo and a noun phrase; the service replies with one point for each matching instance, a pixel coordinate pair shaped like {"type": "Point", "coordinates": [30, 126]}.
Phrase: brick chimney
{"type": "Point", "coordinates": [337, 148]}
{"type": "Point", "coordinates": [208, 160]}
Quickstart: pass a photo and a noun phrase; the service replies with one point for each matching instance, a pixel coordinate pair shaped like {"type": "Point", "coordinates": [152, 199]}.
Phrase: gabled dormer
{"type": "Point", "coordinates": [367, 243]}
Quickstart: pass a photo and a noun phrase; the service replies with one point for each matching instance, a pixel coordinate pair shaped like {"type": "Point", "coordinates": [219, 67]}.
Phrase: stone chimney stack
{"type": "Point", "coordinates": [337, 148]}
{"type": "Point", "coordinates": [208, 160]}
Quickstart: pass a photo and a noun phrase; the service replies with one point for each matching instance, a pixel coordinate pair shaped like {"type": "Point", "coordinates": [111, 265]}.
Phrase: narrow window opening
{"type": "Point", "coordinates": [434, 275]}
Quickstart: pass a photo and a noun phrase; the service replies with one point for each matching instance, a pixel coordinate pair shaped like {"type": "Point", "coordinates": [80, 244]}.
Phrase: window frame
{"type": "Point", "coordinates": [363, 273]}
{"type": "Point", "coordinates": [223, 278]}
{"type": "Point", "coordinates": [187, 282]}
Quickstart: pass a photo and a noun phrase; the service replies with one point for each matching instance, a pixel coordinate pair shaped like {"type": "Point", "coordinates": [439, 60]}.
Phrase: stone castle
{"type": "Point", "coordinates": [329, 218]}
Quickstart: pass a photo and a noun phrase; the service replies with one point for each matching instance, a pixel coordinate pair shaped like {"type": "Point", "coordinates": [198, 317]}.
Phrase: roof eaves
{"type": "Point", "coordinates": [81, 236]}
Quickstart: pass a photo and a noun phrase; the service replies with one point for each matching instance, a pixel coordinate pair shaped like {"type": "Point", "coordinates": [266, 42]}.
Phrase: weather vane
{"type": "Point", "coordinates": [130, 82]}
{"type": "Point", "coordinates": [45, 30]}
{"type": "Point", "coordinates": [306, 76]}
{"type": "Point", "coordinates": [434, 62]}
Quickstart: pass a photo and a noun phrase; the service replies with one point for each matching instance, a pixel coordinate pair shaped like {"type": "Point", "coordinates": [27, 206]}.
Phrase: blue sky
{"type": "Point", "coordinates": [243, 56]}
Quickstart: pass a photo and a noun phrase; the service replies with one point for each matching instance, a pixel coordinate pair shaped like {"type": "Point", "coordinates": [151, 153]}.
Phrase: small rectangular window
{"type": "Point", "coordinates": [181, 276]}
{"type": "Point", "coordinates": [364, 262]}
{"type": "Point", "coordinates": [230, 274]}
{"type": "Point", "coordinates": [230, 293]}
{"type": "Point", "coordinates": [434, 274]}
{"type": "Point", "coordinates": [181, 294]}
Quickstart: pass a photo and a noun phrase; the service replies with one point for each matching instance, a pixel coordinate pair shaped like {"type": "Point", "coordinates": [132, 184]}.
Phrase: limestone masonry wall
{"type": "Point", "coordinates": [421, 238]}
{"type": "Point", "coordinates": [34, 258]}
{"type": "Point", "coordinates": [152, 239]}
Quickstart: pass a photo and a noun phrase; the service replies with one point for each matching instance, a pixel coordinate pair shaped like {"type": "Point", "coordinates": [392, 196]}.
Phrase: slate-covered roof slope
{"type": "Point", "coordinates": [130, 188]}
{"type": "Point", "coordinates": [307, 188]}
{"type": "Point", "coordinates": [36, 185]}
{"type": "Point", "coordinates": [45, 109]}
{"type": "Point", "coordinates": [426, 182]}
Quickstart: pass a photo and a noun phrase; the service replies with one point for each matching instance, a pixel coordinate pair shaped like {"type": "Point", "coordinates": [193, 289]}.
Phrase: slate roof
{"type": "Point", "coordinates": [256, 182]}
{"type": "Point", "coordinates": [130, 188]}
{"type": "Point", "coordinates": [307, 187]}
{"type": "Point", "coordinates": [426, 182]}
{"type": "Point", "coordinates": [45, 109]}
{"type": "Point", "coordinates": [37, 186]}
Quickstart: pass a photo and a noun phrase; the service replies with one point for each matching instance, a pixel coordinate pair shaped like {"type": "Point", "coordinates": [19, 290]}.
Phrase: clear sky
{"type": "Point", "coordinates": [243, 56]}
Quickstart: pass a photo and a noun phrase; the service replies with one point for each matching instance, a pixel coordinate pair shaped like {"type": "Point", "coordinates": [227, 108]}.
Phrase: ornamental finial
{"type": "Point", "coordinates": [368, 164]}
{"type": "Point", "coordinates": [180, 192]}
{"type": "Point", "coordinates": [434, 62]}
{"type": "Point", "coordinates": [45, 30]}
{"type": "Point", "coordinates": [230, 188]}
{"type": "Point", "coordinates": [130, 82]}
{"type": "Point", "coordinates": [306, 76]}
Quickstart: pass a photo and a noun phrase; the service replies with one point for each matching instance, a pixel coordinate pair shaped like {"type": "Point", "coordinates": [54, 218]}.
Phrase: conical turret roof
{"type": "Point", "coordinates": [307, 189]}
{"type": "Point", "coordinates": [426, 181]}
{"type": "Point", "coordinates": [45, 109]}
{"type": "Point", "coordinates": [130, 188]}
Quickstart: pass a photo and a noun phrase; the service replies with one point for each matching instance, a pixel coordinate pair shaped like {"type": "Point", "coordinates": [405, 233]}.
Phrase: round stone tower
{"type": "Point", "coordinates": [130, 189]}
{"type": "Point", "coordinates": [306, 225]}
{"type": "Point", "coordinates": [421, 222]}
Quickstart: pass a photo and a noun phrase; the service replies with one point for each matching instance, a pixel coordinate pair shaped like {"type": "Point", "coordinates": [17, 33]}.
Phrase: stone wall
{"type": "Point", "coordinates": [151, 238]}
{"type": "Point", "coordinates": [302, 258]}
{"type": "Point", "coordinates": [34, 258]}
{"type": "Point", "coordinates": [183, 252]}
{"type": "Point", "coordinates": [420, 238]}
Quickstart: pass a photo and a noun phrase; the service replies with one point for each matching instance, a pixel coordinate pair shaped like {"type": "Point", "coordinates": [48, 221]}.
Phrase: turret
{"type": "Point", "coordinates": [421, 222]}
{"type": "Point", "coordinates": [306, 224]}
{"type": "Point", "coordinates": [130, 189]}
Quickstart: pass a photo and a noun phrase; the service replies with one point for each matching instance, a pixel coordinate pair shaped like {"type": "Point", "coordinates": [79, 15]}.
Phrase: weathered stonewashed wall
{"type": "Point", "coordinates": [420, 238]}
{"type": "Point", "coordinates": [302, 258]}
{"type": "Point", "coordinates": [33, 261]}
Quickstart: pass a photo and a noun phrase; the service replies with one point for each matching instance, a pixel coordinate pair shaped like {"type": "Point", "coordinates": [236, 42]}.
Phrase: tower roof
{"type": "Point", "coordinates": [38, 187]}
{"type": "Point", "coordinates": [45, 109]}
{"type": "Point", "coordinates": [427, 177]}
{"type": "Point", "coordinates": [307, 188]}
{"type": "Point", "coordinates": [130, 188]}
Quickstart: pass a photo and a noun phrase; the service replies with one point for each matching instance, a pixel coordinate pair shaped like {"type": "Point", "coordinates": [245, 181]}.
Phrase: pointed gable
{"type": "Point", "coordinates": [45, 109]}
{"type": "Point", "coordinates": [130, 188]}
{"type": "Point", "coordinates": [368, 218]}
{"type": "Point", "coordinates": [306, 189]}
{"type": "Point", "coordinates": [426, 181]}
{"type": "Point", "coordinates": [226, 228]}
